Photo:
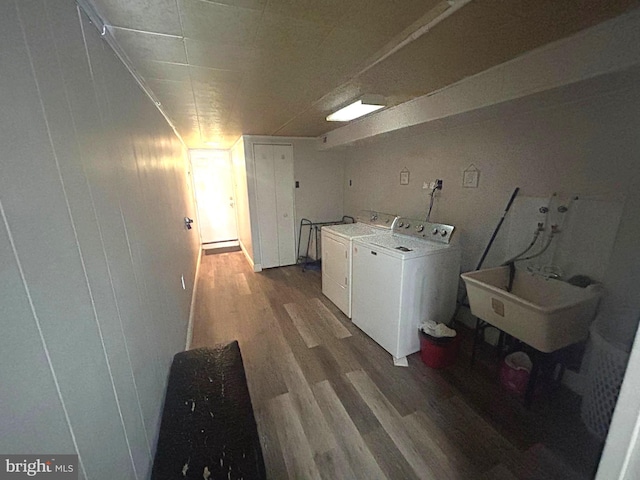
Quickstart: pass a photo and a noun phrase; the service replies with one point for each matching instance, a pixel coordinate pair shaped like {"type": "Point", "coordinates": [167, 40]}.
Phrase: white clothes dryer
{"type": "Point", "coordinates": [403, 279]}
{"type": "Point", "coordinates": [336, 245]}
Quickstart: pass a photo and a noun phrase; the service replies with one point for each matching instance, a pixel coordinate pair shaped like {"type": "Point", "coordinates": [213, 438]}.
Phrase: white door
{"type": "Point", "coordinates": [335, 260]}
{"type": "Point", "coordinates": [376, 282]}
{"type": "Point", "coordinates": [213, 182]}
{"type": "Point", "coordinates": [283, 170]}
{"type": "Point", "coordinates": [274, 189]}
{"type": "Point", "coordinates": [335, 272]}
{"type": "Point", "coordinates": [266, 193]}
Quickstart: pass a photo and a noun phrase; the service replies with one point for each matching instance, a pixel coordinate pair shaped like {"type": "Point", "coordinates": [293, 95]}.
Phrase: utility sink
{"type": "Point", "coordinates": [545, 313]}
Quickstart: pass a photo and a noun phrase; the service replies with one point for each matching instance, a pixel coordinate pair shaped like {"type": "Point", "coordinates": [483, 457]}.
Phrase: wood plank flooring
{"type": "Point", "coordinates": [330, 404]}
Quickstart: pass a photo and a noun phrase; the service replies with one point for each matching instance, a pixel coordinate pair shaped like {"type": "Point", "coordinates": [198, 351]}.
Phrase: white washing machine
{"type": "Point", "coordinates": [401, 280]}
{"type": "Point", "coordinates": [336, 242]}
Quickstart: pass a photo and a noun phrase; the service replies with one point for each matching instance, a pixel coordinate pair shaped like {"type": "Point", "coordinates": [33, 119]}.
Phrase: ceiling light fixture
{"type": "Point", "coordinates": [366, 104]}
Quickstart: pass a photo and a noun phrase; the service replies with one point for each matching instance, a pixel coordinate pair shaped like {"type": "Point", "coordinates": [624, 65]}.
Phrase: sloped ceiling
{"type": "Point", "coordinates": [225, 68]}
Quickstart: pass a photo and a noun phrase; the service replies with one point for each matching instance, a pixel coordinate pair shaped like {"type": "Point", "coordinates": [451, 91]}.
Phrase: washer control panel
{"type": "Point", "coordinates": [436, 232]}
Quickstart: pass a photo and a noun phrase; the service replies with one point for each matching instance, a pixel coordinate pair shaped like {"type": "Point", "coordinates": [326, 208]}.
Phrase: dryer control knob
{"type": "Point", "coordinates": [407, 225]}
{"type": "Point", "coordinates": [435, 231]}
{"type": "Point", "coordinates": [443, 233]}
{"type": "Point", "coordinates": [419, 228]}
{"type": "Point", "coordinates": [400, 224]}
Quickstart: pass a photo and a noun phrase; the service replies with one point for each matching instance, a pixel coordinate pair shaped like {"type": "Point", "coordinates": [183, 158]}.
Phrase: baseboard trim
{"type": "Point", "coordinates": [255, 266]}
{"type": "Point", "coordinates": [219, 245]}
{"type": "Point", "coordinates": [192, 308]}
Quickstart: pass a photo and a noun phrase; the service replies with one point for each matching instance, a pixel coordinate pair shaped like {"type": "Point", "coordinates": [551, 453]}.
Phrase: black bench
{"type": "Point", "coordinates": [208, 429]}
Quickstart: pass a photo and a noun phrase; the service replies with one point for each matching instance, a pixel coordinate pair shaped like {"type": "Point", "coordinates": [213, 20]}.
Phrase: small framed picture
{"type": "Point", "coordinates": [470, 177]}
{"type": "Point", "coordinates": [404, 177]}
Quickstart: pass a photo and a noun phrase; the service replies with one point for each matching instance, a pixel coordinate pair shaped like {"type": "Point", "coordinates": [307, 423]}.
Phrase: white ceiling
{"type": "Point", "coordinates": [225, 68]}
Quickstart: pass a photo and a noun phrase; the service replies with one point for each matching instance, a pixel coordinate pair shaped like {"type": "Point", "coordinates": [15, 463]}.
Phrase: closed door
{"type": "Point", "coordinates": [274, 189]}
{"type": "Point", "coordinates": [213, 182]}
{"type": "Point", "coordinates": [283, 169]}
{"type": "Point", "coordinates": [377, 283]}
{"type": "Point", "coordinates": [335, 260]}
{"type": "Point", "coordinates": [335, 272]}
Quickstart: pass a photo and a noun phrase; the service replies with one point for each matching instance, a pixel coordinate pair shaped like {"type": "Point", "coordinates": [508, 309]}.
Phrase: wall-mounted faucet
{"type": "Point", "coordinates": [546, 271]}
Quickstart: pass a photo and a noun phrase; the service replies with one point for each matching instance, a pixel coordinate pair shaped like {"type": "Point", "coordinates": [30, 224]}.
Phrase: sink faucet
{"type": "Point", "coordinates": [546, 271]}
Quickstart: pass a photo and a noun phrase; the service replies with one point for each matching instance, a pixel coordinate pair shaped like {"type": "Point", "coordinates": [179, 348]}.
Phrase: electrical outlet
{"type": "Point", "coordinates": [435, 185]}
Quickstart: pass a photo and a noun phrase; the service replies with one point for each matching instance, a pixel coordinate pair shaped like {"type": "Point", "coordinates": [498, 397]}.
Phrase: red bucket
{"type": "Point", "coordinates": [514, 372]}
{"type": "Point", "coordinates": [439, 353]}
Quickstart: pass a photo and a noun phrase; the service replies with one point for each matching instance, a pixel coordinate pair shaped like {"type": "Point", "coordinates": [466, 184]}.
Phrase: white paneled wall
{"type": "Point", "coordinates": [243, 200]}
{"type": "Point", "coordinates": [93, 189]}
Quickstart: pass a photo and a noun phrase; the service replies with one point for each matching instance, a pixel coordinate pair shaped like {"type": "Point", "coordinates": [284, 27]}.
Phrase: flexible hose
{"type": "Point", "coordinates": [431, 203]}
{"type": "Point", "coordinates": [544, 249]}
{"type": "Point", "coordinates": [512, 263]}
{"type": "Point", "coordinates": [536, 234]}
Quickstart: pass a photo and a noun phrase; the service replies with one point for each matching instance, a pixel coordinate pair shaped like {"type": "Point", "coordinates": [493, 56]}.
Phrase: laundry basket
{"type": "Point", "coordinates": [605, 372]}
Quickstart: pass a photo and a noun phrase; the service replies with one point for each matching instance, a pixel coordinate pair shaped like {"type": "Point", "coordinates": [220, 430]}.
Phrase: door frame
{"type": "Point", "coordinates": [195, 193]}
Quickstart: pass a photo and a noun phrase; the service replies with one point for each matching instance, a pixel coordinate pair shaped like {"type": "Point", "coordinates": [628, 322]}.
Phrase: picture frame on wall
{"type": "Point", "coordinates": [404, 176]}
{"type": "Point", "coordinates": [470, 177]}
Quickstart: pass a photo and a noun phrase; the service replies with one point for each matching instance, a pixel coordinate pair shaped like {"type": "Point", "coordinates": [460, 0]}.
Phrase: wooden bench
{"type": "Point", "coordinates": [208, 429]}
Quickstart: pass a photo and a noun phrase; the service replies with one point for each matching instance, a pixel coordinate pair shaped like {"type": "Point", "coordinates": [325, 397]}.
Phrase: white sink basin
{"type": "Point", "coordinates": [545, 313]}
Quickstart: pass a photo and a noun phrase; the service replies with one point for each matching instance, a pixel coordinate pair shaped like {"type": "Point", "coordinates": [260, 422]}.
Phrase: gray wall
{"type": "Point", "coordinates": [93, 188]}
{"type": "Point", "coordinates": [243, 210]}
{"type": "Point", "coordinates": [580, 139]}
{"type": "Point", "coordinates": [320, 195]}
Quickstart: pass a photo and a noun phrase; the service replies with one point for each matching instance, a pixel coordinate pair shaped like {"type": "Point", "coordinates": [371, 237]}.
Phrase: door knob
{"type": "Point", "coordinates": [187, 222]}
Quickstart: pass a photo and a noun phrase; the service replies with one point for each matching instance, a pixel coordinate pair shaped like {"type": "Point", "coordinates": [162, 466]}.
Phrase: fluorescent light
{"type": "Point", "coordinates": [357, 109]}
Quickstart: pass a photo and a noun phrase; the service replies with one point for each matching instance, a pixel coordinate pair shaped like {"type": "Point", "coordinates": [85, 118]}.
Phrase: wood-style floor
{"type": "Point", "coordinates": [330, 404]}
